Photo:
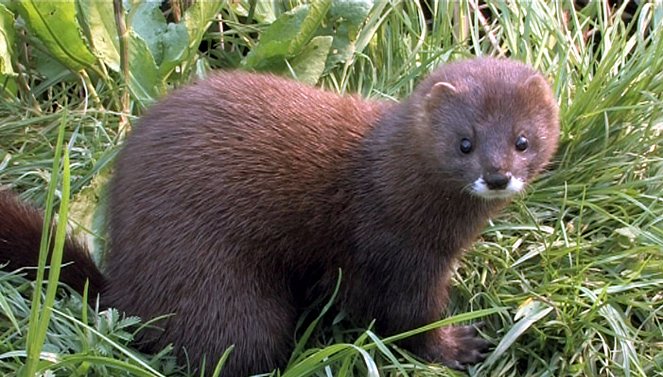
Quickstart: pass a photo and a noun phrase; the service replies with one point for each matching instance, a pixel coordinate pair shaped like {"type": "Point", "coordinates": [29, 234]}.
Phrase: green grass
{"type": "Point", "coordinates": [571, 274]}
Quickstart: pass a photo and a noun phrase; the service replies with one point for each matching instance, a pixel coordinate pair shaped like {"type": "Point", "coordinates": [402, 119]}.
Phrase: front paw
{"type": "Point", "coordinates": [457, 347]}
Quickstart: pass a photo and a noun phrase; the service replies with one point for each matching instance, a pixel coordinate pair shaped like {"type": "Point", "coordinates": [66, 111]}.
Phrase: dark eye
{"type": "Point", "coordinates": [521, 143]}
{"type": "Point", "coordinates": [465, 146]}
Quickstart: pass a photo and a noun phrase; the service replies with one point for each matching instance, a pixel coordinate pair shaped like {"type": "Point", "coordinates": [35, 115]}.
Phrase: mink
{"type": "Point", "coordinates": [237, 199]}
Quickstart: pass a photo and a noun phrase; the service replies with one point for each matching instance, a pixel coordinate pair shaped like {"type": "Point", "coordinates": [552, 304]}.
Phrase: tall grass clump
{"type": "Point", "coordinates": [568, 280]}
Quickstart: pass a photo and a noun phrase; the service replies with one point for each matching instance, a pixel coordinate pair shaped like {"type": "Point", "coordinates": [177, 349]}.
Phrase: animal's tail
{"type": "Point", "coordinates": [20, 236]}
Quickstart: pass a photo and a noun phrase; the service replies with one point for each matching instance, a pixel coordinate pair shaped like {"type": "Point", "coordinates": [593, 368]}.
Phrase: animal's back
{"type": "Point", "coordinates": [227, 182]}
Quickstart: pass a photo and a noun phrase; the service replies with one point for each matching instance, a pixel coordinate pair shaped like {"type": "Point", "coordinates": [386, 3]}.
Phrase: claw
{"type": "Point", "coordinates": [455, 364]}
{"type": "Point", "coordinates": [463, 346]}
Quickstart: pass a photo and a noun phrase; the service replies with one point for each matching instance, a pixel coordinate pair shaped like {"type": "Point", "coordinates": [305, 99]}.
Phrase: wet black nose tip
{"type": "Point", "coordinates": [497, 181]}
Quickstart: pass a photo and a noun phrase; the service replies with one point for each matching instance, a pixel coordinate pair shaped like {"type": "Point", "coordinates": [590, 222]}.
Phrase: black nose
{"type": "Point", "coordinates": [497, 181]}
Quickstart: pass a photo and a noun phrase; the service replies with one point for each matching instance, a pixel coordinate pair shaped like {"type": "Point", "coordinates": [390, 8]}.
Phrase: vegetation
{"type": "Point", "coordinates": [569, 280]}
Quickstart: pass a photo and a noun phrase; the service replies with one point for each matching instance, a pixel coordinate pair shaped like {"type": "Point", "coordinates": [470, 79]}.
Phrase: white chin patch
{"type": "Point", "coordinates": [480, 189]}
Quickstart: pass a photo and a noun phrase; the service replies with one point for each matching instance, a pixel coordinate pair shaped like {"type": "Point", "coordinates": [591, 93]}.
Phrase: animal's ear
{"type": "Point", "coordinates": [536, 92]}
{"type": "Point", "coordinates": [440, 91]}
{"type": "Point", "coordinates": [536, 87]}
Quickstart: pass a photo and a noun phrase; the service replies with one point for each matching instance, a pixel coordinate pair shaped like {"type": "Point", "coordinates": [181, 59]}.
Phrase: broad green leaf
{"type": "Point", "coordinates": [144, 79]}
{"type": "Point", "coordinates": [287, 38]}
{"type": "Point", "coordinates": [290, 33]}
{"type": "Point", "coordinates": [309, 65]}
{"type": "Point", "coordinates": [146, 20]}
{"type": "Point", "coordinates": [7, 38]}
{"type": "Point", "coordinates": [316, 13]}
{"type": "Point", "coordinates": [51, 68]}
{"type": "Point", "coordinates": [90, 209]}
{"type": "Point", "coordinates": [168, 42]}
{"type": "Point", "coordinates": [275, 41]}
{"type": "Point", "coordinates": [265, 11]}
{"type": "Point", "coordinates": [102, 32]}
{"type": "Point", "coordinates": [175, 42]}
{"type": "Point", "coordinates": [344, 21]}
{"type": "Point", "coordinates": [56, 26]}
{"type": "Point", "coordinates": [197, 19]}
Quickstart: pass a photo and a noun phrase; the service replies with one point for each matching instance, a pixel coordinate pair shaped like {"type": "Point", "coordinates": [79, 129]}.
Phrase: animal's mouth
{"type": "Point", "coordinates": [502, 186]}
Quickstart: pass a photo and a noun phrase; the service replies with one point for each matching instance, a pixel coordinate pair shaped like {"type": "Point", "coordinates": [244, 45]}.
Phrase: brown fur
{"type": "Point", "coordinates": [20, 235]}
{"type": "Point", "coordinates": [237, 199]}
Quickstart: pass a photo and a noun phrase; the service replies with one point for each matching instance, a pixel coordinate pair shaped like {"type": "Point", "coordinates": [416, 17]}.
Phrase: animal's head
{"type": "Point", "coordinates": [492, 123]}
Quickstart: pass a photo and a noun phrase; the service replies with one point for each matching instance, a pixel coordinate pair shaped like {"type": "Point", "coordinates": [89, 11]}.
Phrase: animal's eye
{"type": "Point", "coordinates": [465, 145]}
{"type": "Point", "coordinates": [521, 143]}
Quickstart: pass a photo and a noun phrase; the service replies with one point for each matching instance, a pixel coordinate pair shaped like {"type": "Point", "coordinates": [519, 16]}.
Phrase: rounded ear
{"type": "Point", "coordinates": [536, 86]}
{"type": "Point", "coordinates": [535, 92]}
{"type": "Point", "coordinates": [439, 91]}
